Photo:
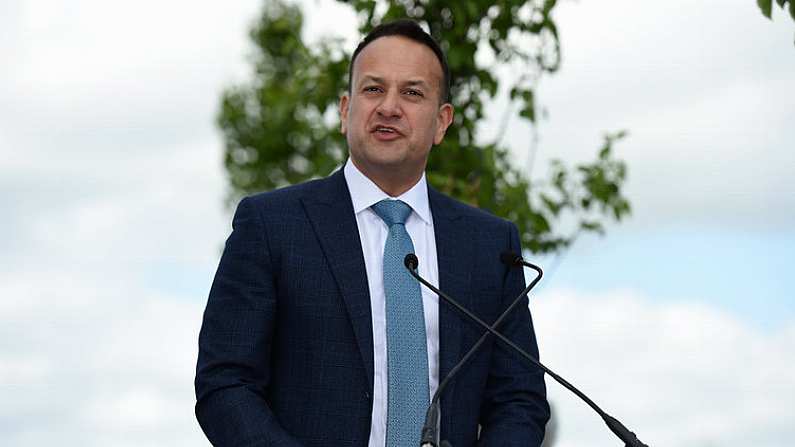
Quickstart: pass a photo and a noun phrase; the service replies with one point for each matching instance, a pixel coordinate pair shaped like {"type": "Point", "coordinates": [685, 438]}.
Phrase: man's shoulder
{"type": "Point", "coordinates": [292, 195]}
{"type": "Point", "coordinates": [455, 209]}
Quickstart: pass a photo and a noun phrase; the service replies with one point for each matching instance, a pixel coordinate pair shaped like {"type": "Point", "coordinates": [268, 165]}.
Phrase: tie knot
{"type": "Point", "coordinates": [392, 211]}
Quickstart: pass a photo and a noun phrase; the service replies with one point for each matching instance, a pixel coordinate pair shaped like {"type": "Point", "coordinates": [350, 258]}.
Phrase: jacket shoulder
{"type": "Point", "coordinates": [288, 199]}
{"type": "Point", "coordinates": [287, 193]}
{"type": "Point", "coordinates": [458, 209]}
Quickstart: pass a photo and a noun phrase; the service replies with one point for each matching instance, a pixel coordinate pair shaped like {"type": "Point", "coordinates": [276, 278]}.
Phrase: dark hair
{"type": "Point", "coordinates": [409, 29]}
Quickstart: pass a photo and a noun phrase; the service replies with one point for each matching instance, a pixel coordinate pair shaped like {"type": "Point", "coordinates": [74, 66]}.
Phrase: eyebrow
{"type": "Point", "coordinates": [380, 80]}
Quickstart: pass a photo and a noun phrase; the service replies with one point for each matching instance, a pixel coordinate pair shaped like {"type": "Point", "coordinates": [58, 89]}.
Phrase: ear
{"type": "Point", "coordinates": [344, 101]}
{"type": "Point", "coordinates": [443, 121]}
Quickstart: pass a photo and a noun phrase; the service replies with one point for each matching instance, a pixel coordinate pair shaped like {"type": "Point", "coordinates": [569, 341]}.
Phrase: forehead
{"type": "Point", "coordinates": [400, 58]}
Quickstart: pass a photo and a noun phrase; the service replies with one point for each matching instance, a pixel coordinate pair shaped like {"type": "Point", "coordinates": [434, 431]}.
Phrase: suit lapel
{"type": "Point", "coordinates": [331, 212]}
{"type": "Point", "coordinates": [455, 279]}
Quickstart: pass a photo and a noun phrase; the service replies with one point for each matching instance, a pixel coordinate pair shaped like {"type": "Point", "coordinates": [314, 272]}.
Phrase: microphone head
{"type": "Point", "coordinates": [510, 258]}
{"type": "Point", "coordinates": [411, 262]}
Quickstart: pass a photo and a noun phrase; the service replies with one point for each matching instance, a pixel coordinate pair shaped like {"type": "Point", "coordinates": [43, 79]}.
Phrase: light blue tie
{"type": "Point", "coordinates": [407, 358]}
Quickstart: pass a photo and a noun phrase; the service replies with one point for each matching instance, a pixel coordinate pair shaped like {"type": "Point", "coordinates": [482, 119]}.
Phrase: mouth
{"type": "Point", "coordinates": [384, 130]}
{"type": "Point", "coordinates": [385, 133]}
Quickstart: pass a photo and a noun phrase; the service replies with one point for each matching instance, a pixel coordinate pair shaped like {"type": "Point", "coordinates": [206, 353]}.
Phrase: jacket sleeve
{"type": "Point", "coordinates": [514, 411]}
{"type": "Point", "coordinates": [232, 372]}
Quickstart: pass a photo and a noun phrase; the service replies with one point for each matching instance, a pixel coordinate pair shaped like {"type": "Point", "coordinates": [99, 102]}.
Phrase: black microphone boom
{"type": "Point", "coordinates": [430, 431]}
{"type": "Point", "coordinates": [431, 428]}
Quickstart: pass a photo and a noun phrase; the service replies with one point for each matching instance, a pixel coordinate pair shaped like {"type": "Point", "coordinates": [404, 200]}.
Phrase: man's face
{"type": "Point", "coordinates": [394, 114]}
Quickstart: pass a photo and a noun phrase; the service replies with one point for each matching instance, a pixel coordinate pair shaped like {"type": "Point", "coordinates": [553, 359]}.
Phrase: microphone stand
{"type": "Point", "coordinates": [431, 430]}
{"type": "Point", "coordinates": [629, 438]}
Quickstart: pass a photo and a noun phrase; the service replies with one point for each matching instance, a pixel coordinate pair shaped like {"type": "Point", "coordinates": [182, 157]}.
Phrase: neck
{"type": "Point", "coordinates": [394, 182]}
{"type": "Point", "coordinates": [395, 188]}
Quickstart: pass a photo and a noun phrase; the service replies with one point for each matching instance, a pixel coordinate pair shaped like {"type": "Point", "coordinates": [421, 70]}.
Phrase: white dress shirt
{"type": "Point", "coordinates": [373, 232]}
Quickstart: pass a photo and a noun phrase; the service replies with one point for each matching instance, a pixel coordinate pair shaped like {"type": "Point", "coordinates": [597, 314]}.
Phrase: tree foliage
{"type": "Point", "coordinates": [766, 6]}
{"type": "Point", "coordinates": [282, 127]}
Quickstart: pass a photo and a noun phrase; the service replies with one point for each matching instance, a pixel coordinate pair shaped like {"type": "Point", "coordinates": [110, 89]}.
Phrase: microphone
{"type": "Point", "coordinates": [510, 259]}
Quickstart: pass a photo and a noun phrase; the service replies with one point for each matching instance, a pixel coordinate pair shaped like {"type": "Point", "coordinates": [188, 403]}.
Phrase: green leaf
{"type": "Point", "coordinates": [766, 6]}
{"type": "Point", "coordinates": [548, 5]}
{"type": "Point", "coordinates": [528, 112]}
{"type": "Point", "coordinates": [792, 9]}
{"type": "Point", "coordinates": [553, 206]}
{"type": "Point", "coordinates": [592, 226]}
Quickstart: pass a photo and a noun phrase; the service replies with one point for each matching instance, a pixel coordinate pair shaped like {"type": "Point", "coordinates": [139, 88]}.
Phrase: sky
{"type": "Point", "coordinates": [678, 321]}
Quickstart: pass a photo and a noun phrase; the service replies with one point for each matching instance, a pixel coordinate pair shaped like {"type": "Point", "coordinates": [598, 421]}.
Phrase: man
{"type": "Point", "coordinates": [314, 336]}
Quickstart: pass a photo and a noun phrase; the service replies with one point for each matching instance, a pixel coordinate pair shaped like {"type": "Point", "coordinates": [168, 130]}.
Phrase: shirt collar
{"type": "Point", "coordinates": [365, 193]}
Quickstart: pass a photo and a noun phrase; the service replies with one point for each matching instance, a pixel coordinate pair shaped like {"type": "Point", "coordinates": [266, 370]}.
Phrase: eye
{"type": "Point", "coordinates": [413, 92]}
{"type": "Point", "coordinates": [371, 89]}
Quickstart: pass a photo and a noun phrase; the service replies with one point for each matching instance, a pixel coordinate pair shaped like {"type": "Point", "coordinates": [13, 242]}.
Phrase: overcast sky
{"type": "Point", "coordinates": [680, 321]}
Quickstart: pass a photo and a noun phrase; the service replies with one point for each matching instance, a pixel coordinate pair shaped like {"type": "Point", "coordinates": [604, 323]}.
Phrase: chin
{"type": "Point", "coordinates": [388, 155]}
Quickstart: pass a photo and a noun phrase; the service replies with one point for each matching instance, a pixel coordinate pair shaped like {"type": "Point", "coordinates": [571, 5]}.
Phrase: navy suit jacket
{"type": "Point", "coordinates": [286, 344]}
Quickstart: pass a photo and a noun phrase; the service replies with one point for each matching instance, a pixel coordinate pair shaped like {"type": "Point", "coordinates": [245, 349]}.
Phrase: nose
{"type": "Point", "coordinates": [389, 107]}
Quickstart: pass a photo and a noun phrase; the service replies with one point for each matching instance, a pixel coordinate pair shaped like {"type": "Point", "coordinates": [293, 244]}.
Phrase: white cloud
{"type": "Point", "coordinates": [678, 374]}
{"type": "Point", "coordinates": [93, 79]}
{"type": "Point", "coordinates": [93, 361]}
{"type": "Point", "coordinates": [330, 18]}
